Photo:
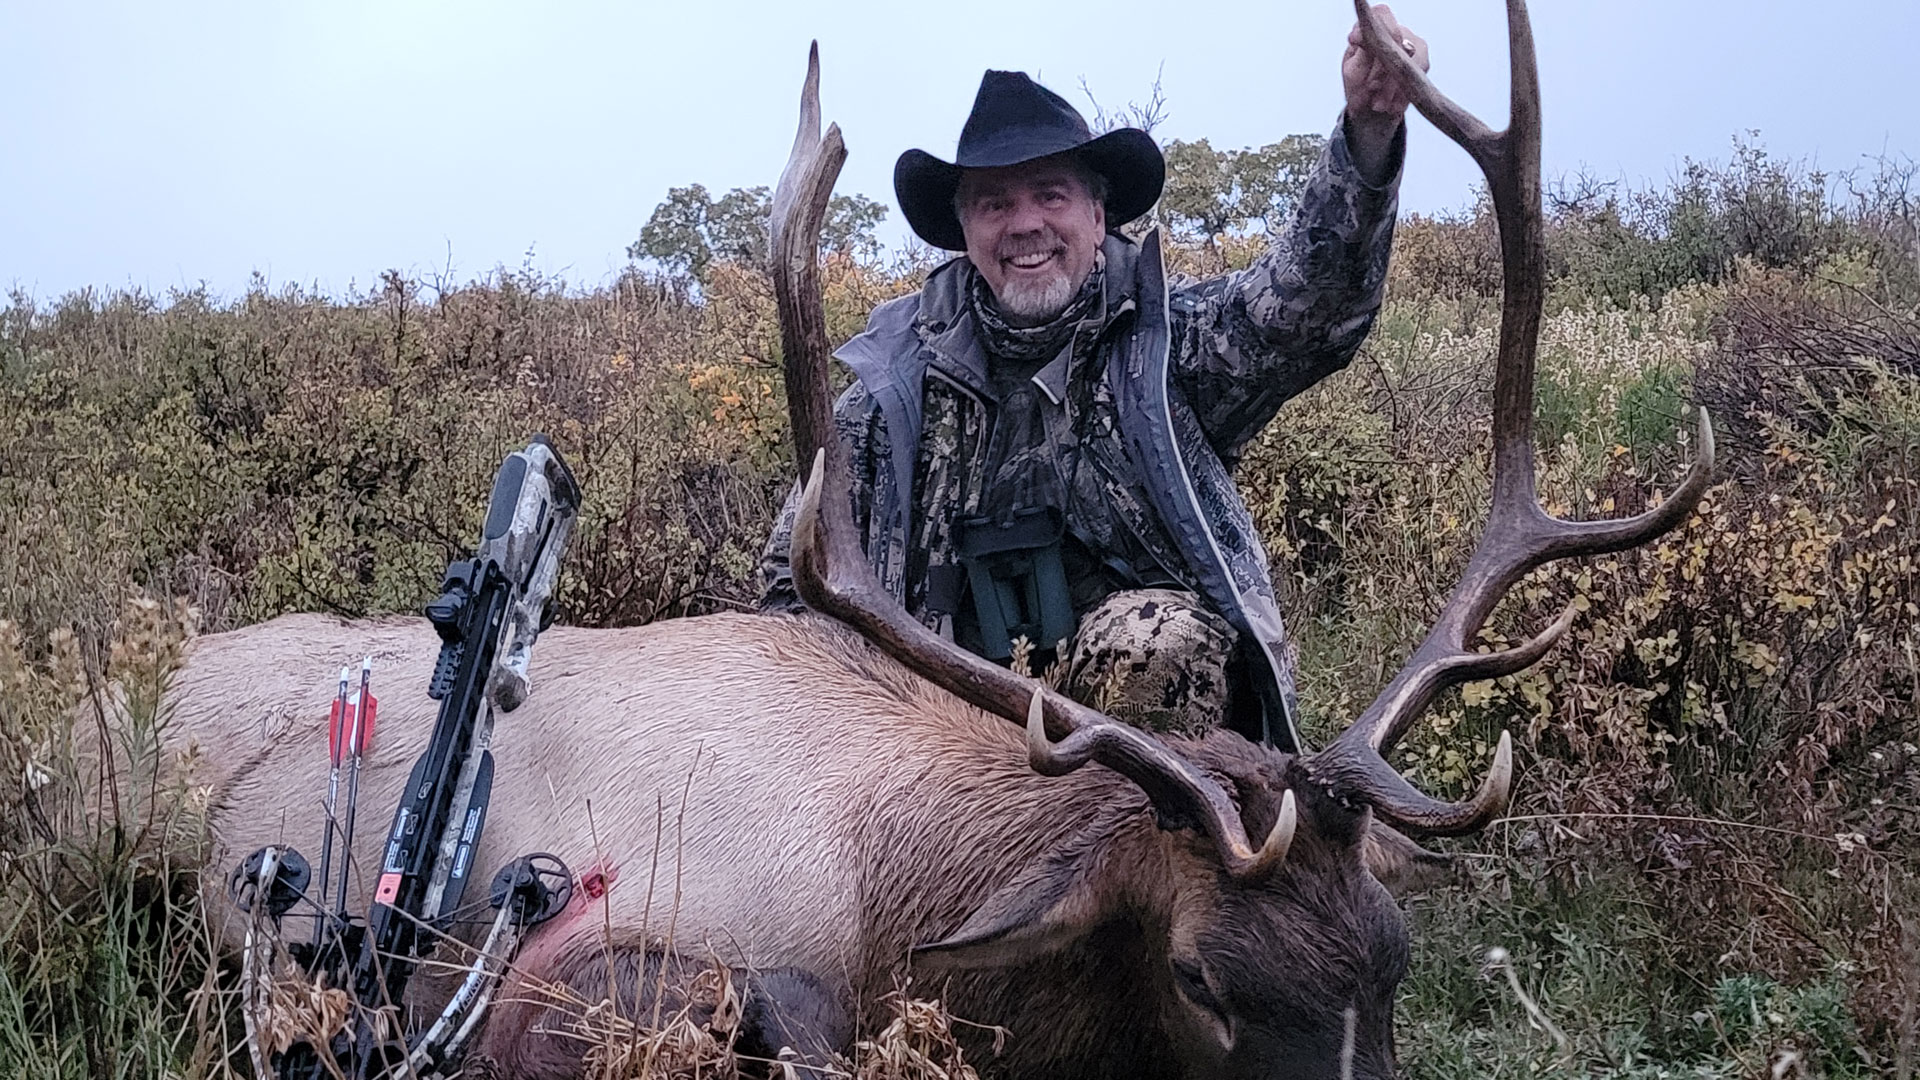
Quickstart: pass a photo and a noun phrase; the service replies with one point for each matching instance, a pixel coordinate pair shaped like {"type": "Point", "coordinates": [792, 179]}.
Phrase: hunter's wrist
{"type": "Point", "coordinates": [1373, 145]}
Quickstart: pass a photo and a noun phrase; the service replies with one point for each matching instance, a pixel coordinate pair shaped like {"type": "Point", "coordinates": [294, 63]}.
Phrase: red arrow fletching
{"type": "Point", "coordinates": [363, 729]}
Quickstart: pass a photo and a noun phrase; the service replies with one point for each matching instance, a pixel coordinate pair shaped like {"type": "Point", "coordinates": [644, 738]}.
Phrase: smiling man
{"type": "Point", "coordinates": [1042, 437]}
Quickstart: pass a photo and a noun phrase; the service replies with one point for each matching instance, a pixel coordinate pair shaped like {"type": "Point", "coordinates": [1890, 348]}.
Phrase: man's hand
{"type": "Point", "coordinates": [1376, 97]}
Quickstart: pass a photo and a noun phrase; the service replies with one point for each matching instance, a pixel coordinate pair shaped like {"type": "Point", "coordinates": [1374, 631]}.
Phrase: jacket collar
{"type": "Point", "coordinates": [948, 332]}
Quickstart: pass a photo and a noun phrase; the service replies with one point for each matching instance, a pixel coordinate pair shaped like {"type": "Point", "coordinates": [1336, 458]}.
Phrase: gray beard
{"type": "Point", "coordinates": [1026, 304]}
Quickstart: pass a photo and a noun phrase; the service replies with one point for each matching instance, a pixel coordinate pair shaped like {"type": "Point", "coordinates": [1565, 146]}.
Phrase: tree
{"type": "Point", "coordinates": [691, 229]}
{"type": "Point", "coordinates": [1210, 192]}
{"type": "Point", "coordinates": [675, 235]}
{"type": "Point", "coordinates": [1199, 193]}
{"type": "Point", "coordinates": [849, 227]}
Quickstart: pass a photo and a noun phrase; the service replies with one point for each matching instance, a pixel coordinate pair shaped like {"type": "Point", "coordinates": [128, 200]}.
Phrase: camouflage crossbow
{"type": "Point", "coordinates": [490, 610]}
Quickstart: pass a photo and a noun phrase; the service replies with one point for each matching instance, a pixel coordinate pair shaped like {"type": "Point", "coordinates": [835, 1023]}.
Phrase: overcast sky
{"type": "Point", "coordinates": [164, 144]}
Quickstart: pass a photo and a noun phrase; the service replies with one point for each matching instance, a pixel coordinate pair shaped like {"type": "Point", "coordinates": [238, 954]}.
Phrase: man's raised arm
{"type": "Point", "coordinates": [1246, 342]}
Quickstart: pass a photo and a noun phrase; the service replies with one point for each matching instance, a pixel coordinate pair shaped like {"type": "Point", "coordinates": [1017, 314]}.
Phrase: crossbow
{"type": "Point", "coordinates": [489, 611]}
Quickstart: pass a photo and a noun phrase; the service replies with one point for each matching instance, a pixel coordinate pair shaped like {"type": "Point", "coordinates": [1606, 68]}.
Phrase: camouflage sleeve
{"type": "Point", "coordinates": [1245, 342]}
{"type": "Point", "coordinates": [863, 433]}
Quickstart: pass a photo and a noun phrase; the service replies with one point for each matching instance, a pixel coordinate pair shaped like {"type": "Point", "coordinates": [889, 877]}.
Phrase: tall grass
{"type": "Point", "coordinates": [109, 968]}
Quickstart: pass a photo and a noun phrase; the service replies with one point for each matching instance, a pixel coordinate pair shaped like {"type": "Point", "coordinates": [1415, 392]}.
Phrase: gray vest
{"type": "Point", "coordinates": [1175, 468]}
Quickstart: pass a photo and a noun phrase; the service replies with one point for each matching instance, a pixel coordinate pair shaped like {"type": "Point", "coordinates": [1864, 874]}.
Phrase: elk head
{"type": "Point", "coordinates": [1289, 965]}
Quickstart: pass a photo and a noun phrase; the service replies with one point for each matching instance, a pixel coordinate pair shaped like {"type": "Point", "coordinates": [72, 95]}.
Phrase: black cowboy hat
{"type": "Point", "coordinates": [1015, 119]}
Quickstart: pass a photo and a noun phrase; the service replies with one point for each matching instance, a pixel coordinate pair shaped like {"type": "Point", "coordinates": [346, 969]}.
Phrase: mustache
{"type": "Point", "coordinates": [1044, 242]}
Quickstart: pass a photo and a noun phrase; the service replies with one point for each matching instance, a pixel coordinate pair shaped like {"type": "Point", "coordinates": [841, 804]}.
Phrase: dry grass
{"type": "Point", "coordinates": [918, 1044]}
{"type": "Point", "coordinates": [695, 1038]}
{"type": "Point", "coordinates": [673, 1047]}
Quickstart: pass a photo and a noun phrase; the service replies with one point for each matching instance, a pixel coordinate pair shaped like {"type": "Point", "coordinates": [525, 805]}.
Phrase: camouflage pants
{"type": "Point", "coordinates": [1155, 658]}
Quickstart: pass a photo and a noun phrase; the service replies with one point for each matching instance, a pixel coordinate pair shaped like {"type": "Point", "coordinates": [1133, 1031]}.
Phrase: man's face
{"type": "Point", "coordinates": [1033, 231]}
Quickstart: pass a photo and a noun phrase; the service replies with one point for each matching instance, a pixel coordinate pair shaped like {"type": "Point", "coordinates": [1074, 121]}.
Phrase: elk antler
{"type": "Point", "coordinates": [1519, 534]}
{"type": "Point", "coordinates": [1168, 780]}
{"type": "Point", "coordinates": [831, 572]}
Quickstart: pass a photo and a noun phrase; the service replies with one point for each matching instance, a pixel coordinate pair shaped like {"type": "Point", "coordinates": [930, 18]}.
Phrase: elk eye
{"type": "Point", "coordinates": [1192, 980]}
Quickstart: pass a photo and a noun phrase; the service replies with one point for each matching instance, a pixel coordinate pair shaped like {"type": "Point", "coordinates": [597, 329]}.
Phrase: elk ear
{"type": "Point", "coordinates": [1047, 906]}
{"type": "Point", "coordinates": [1400, 864]}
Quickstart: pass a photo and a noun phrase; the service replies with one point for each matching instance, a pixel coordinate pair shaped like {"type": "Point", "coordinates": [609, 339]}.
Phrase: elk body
{"type": "Point", "coordinates": [839, 801]}
{"type": "Point", "coordinates": [773, 789]}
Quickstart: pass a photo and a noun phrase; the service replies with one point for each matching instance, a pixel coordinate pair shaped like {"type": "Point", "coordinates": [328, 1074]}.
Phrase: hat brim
{"type": "Point", "coordinates": [1127, 157]}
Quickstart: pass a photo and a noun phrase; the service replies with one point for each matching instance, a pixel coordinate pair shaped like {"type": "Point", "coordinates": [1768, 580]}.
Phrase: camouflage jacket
{"type": "Point", "coordinates": [1186, 374]}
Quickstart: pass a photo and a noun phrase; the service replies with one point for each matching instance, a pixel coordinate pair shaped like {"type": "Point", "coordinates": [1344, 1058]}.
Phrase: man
{"type": "Point", "coordinates": [1042, 437]}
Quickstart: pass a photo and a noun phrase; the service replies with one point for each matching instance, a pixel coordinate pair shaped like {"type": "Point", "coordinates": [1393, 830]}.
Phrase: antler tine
{"type": "Point", "coordinates": [1181, 794]}
{"type": "Point", "coordinates": [1519, 535]}
{"type": "Point", "coordinates": [799, 209]}
{"type": "Point", "coordinates": [1600, 537]}
{"type": "Point", "coordinates": [1510, 159]}
{"type": "Point", "coordinates": [1453, 121]}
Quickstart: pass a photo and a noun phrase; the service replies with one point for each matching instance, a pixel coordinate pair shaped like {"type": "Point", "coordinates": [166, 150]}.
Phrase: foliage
{"type": "Point", "coordinates": [1609, 241]}
{"type": "Point", "coordinates": [106, 968]}
{"type": "Point", "coordinates": [291, 452]}
{"type": "Point", "coordinates": [691, 230]}
{"type": "Point", "coordinates": [1717, 773]}
{"type": "Point", "coordinates": [1210, 192]}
